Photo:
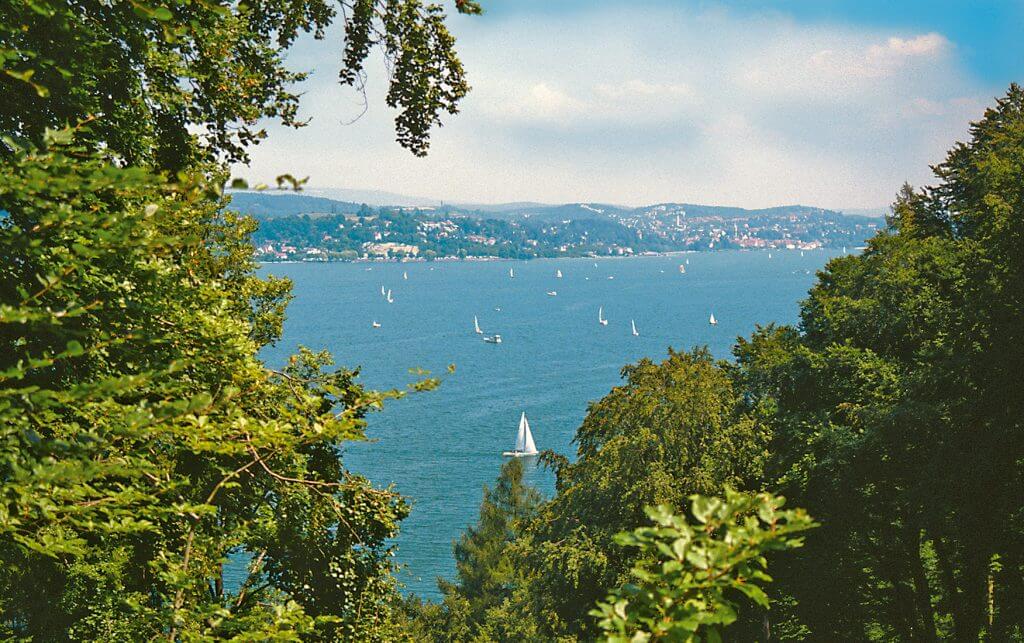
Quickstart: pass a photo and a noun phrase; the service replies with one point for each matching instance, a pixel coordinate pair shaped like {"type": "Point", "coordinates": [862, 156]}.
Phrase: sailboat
{"type": "Point", "coordinates": [600, 316]}
{"type": "Point", "coordinates": [405, 275]}
{"type": "Point", "coordinates": [375, 324]}
{"type": "Point", "coordinates": [476, 326]}
{"type": "Point", "coordinates": [493, 339]}
{"type": "Point", "coordinates": [801, 253]}
{"type": "Point", "coordinates": [633, 324]}
{"type": "Point", "coordinates": [558, 274]}
{"type": "Point", "coordinates": [511, 273]}
{"type": "Point", "coordinates": [769, 255]}
{"type": "Point", "coordinates": [524, 441]}
{"type": "Point", "coordinates": [713, 321]}
{"type": "Point", "coordinates": [687, 262]}
{"type": "Point", "coordinates": [382, 293]}
{"type": "Point", "coordinates": [390, 300]}
{"type": "Point", "coordinates": [552, 293]}
{"type": "Point", "coordinates": [682, 269]}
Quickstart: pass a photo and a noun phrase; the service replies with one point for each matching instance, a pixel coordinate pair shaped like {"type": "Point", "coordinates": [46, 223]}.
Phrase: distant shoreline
{"type": "Point", "coordinates": [672, 253]}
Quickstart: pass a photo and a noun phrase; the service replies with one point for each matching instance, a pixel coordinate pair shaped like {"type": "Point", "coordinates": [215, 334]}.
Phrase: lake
{"type": "Point", "coordinates": [440, 448]}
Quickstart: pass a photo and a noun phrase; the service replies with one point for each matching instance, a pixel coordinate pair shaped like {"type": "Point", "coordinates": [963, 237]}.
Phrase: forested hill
{"type": "Point", "coordinates": [299, 227]}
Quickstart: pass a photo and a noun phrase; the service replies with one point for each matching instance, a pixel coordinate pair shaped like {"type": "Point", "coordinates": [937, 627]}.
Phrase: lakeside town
{"type": "Point", "coordinates": [350, 232]}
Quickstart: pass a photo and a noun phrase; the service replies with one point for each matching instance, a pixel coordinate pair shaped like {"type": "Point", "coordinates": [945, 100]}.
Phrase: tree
{"type": "Point", "coordinates": [688, 577]}
{"type": "Point", "coordinates": [895, 420]}
{"type": "Point", "coordinates": [486, 573]}
{"type": "Point", "coordinates": [672, 430]}
{"type": "Point", "coordinates": [144, 447]}
{"type": "Point", "coordinates": [150, 75]}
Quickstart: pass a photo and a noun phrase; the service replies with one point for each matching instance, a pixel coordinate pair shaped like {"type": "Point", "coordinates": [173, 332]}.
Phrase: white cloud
{"type": "Point", "coordinates": [536, 103]}
{"type": "Point", "coordinates": [657, 105]}
{"type": "Point", "coordinates": [640, 88]}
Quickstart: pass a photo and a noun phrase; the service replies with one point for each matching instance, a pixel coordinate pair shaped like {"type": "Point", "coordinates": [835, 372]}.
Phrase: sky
{"type": "Point", "coordinates": [754, 104]}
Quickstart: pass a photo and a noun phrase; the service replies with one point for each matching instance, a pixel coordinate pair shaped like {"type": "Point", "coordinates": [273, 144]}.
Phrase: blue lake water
{"type": "Point", "coordinates": [440, 448]}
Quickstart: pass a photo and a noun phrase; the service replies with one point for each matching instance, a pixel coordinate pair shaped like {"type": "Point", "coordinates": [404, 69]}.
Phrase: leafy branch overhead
{"type": "Point", "coordinates": [179, 81]}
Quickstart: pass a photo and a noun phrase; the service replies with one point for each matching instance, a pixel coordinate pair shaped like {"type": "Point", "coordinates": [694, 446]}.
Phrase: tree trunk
{"type": "Point", "coordinates": [922, 592]}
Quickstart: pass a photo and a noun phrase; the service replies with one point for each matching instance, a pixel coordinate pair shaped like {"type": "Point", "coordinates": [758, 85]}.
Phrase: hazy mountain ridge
{"type": "Point", "coordinates": [277, 204]}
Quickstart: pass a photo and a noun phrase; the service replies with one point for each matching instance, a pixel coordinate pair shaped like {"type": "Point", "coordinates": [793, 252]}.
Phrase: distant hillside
{"type": "Point", "coordinates": [270, 205]}
{"type": "Point", "coordinates": [301, 227]}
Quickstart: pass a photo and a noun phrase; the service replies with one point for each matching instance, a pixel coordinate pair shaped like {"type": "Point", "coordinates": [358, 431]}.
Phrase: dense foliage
{"type": "Point", "coordinates": [157, 480]}
{"type": "Point", "coordinates": [892, 414]}
{"type": "Point", "coordinates": [899, 416]}
{"type": "Point", "coordinates": [688, 576]}
{"type": "Point", "coordinates": [173, 82]}
{"type": "Point", "coordinates": [143, 441]}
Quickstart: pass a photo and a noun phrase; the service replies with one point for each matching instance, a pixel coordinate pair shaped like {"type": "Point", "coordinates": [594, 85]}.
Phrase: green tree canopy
{"type": "Point", "coordinates": [144, 447]}
{"type": "Point", "coordinates": [174, 82]}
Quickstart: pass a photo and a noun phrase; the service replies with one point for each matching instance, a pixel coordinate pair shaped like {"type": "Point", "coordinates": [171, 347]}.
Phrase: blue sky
{"type": "Point", "coordinates": [744, 103]}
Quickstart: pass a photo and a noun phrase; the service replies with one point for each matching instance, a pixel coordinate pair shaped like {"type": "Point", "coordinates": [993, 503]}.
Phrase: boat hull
{"type": "Point", "coordinates": [518, 454]}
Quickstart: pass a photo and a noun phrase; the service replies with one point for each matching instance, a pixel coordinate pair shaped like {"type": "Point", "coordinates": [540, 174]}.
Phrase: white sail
{"type": "Point", "coordinates": [769, 255]}
{"type": "Point", "coordinates": [600, 316]}
{"type": "Point", "coordinates": [712, 321]}
{"type": "Point", "coordinates": [382, 293]}
{"type": "Point", "coordinates": [524, 438]}
{"type": "Point", "coordinates": [512, 273]}
{"type": "Point", "coordinates": [633, 324]}
{"type": "Point", "coordinates": [405, 275]}
{"type": "Point", "coordinates": [390, 300]}
{"type": "Point", "coordinates": [682, 269]}
{"type": "Point", "coordinates": [476, 326]}
{"type": "Point", "coordinates": [558, 274]}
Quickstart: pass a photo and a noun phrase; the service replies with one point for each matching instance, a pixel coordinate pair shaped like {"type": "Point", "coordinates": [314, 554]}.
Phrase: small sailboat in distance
{"type": "Point", "coordinates": [633, 325]}
{"type": "Point", "coordinates": [476, 326]}
{"type": "Point", "coordinates": [389, 298]}
{"type": "Point", "coordinates": [524, 441]}
{"type": "Point", "coordinates": [375, 324]}
{"type": "Point", "coordinates": [713, 321]}
{"type": "Point", "coordinates": [405, 275]}
{"type": "Point", "coordinates": [558, 274]}
{"type": "Point", "coordinates": [682, 269]}
{"type": "Point", "coordinates": [511, 273]}
{"type": "Point", "coordinates": [600, 316]}
{"type": "Point", "coordinates": [493, 339]}
{"type": "Point", "coordinates": [383, 293]}
{"type": "Point", "coordinates": [552, 293]}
